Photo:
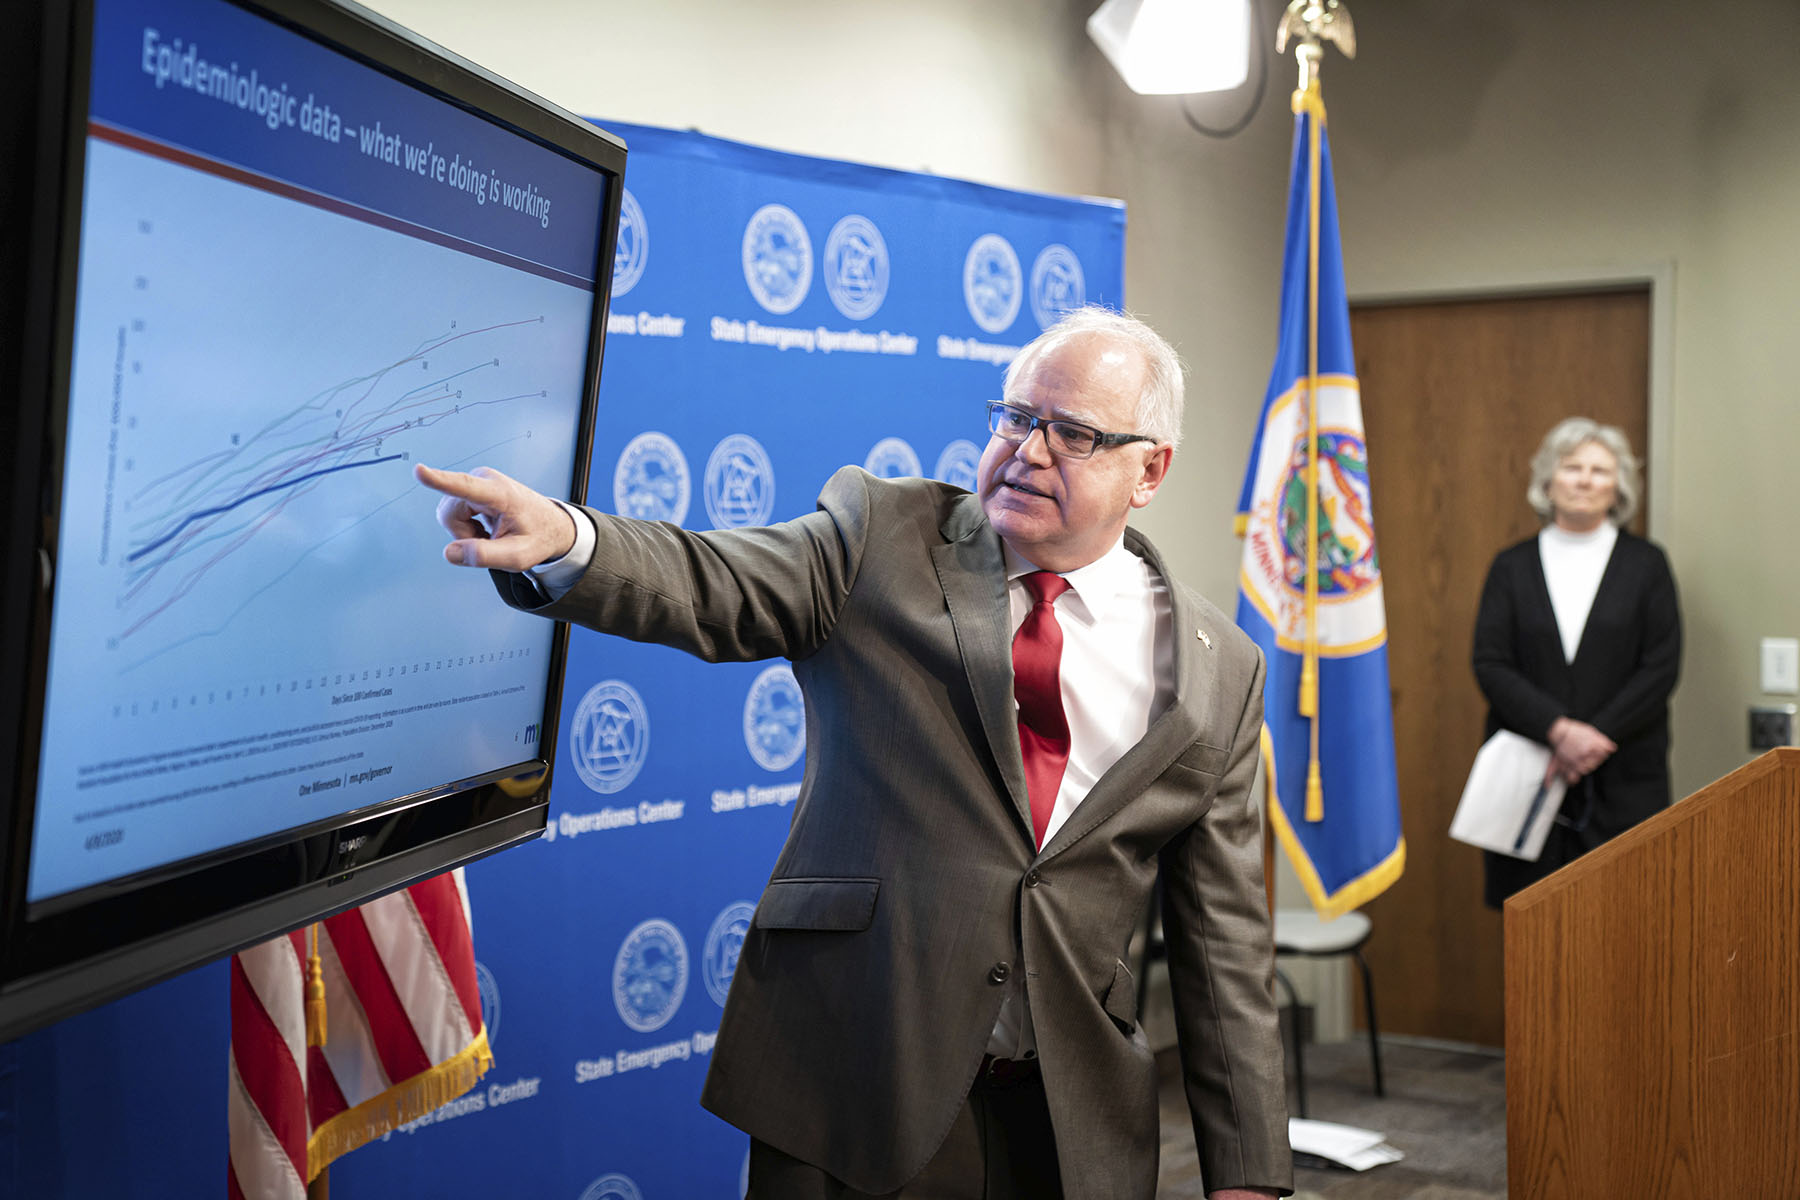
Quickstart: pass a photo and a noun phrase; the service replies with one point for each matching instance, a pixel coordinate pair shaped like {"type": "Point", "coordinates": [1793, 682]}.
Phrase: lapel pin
{"type": "Point", "coordinates": [1204, 640]}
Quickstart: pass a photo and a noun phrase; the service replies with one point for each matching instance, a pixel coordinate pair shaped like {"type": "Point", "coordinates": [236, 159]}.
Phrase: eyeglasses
{"type": "Point", "coordinates": [1067, 439]}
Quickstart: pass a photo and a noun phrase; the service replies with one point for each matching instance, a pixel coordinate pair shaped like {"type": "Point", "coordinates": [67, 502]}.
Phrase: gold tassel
{"type": "Point", "coordinates": [315, 994]}
{"type": "Point", "coordinates": [1315, 793]}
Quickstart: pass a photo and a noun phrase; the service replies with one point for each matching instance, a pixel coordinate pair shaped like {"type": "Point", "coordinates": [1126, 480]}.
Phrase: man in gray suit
{"type": "Point", "coordinates": [1014, 719]}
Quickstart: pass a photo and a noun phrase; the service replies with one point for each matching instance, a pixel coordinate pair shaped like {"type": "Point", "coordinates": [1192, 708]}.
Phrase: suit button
{"type": "Point", "coordinates": [1032, 877]}
{"type": "Point", "coordinates": [999, 973]}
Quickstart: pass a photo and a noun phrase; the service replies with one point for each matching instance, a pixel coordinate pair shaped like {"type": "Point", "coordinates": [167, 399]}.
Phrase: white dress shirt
{"type": "Point", "coordinates": [556, 577]}
{"type": "Point", "coordinates": [1573, 566]}
{"type": "Point", "coordinates": [1117, 675]}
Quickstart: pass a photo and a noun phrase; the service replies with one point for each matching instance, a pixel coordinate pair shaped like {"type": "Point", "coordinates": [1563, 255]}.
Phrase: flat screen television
{"type": "Point", "coordinates": [258, 257]}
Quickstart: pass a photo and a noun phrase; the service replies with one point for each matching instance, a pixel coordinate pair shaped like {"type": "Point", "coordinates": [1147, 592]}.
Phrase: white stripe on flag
{"type": "Point", "coordinates": [273, 972]}
{"type": "Point", "coordinates": [462, 889]}
{"type": "Point", "coordinates": [418, 975]}
{"type": "Point", "coordinates": [349, 1047]}
{"type": "Point", "coordinates": [264, 1171]}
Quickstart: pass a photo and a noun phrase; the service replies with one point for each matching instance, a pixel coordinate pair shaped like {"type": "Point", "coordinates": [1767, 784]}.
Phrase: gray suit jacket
{"type": "Point", "coordinates": [909, 898]}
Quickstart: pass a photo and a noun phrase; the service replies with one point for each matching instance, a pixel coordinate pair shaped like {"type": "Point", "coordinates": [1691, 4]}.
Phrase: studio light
{"type": "Point", "coordinates": [1175, 46]}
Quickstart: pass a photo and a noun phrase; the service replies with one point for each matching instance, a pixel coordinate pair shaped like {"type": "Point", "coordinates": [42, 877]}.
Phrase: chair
{"type": "Point", "coordinates": [1300, 932]}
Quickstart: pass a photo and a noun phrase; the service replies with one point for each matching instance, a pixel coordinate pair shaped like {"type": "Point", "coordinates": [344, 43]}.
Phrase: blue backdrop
{"type": "Point", "coordinates": [774, 317]}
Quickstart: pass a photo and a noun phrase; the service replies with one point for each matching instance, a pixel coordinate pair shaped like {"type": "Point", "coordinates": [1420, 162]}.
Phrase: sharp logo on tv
{"type": "Point", "coordinates": [740, 483]}
{"type": "Point", "coordinates": [778, 258]}
{"type": "Point", "coordinates": [610, 736]}
{"type": "Point", "coordinates": [650, 975]}
{"type": "Point", "coordinates": [651, 481]}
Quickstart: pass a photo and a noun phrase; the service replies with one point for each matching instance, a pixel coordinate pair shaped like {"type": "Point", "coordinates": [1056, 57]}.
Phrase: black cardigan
{"type": "Point", "coordinates": [1624, 670]}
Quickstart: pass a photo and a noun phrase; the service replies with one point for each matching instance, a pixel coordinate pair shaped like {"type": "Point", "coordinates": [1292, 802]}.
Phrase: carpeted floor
{"type": "Point", "coordinates": [1445, 1109]}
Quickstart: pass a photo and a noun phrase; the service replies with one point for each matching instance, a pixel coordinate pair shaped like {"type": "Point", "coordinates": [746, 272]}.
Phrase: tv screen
{"type": "Point", "coordinates": [278, 252]}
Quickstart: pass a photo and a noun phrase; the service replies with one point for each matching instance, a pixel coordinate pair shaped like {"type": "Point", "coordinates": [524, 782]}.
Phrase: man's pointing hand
{"type": "Point", "coordinates": [497, 521]}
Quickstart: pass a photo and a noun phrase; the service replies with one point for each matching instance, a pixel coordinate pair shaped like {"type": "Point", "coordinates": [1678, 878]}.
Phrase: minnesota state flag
{"type": "Point", "coordinates": [1309, 589]}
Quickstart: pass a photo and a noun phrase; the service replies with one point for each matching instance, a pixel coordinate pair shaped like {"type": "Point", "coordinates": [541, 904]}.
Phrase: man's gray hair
{"type": "Point", "coordinates": [1570, 435]}
{"type": "Point", "coordinates": [1159, 409]}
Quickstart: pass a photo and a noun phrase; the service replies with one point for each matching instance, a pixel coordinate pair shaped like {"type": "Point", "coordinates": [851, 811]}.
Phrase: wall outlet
{"type": "Point", "coordinates": [1771, 726]}
{"type": "Point", "coordinates": [1781, 666]}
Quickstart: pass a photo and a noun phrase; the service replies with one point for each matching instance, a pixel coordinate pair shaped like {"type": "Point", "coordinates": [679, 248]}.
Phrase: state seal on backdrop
{"type": "Point", "coordinates": [778, 258]}
{"type": "Point", "coordinates": [893, 458]}
{"type": "Point", "coordinates": [490, 1000]}
{"type": "Point", "coordinates": [650, 481]}
{"type": "Point", "coordinates": [1057, 284]}
{"type": "Point", "coordinates": [612, 1186]}
{"type": "Point", "coordinates": [775, 719]}
{"type": "Point", "coordinates": [650, 975]}
{"type": "Point", "coordinates": [739, 488]}
{"type": "Point", "coordinates": [992, 282]}
{"type": "Point", "coordinates": [633, 250]}
{"type": "Point", "coordinates": [957, 464]}
{"type": "Point", "coordinates": [856, 267]}
{"type": "Point", "coordinates": [609, 737]}
{"type": "Point", "coordinates": [724, 942]}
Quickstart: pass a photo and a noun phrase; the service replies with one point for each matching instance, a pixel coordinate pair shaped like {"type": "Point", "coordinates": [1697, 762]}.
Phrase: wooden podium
{"type": "Point", "coordinates": [1653, 1004]}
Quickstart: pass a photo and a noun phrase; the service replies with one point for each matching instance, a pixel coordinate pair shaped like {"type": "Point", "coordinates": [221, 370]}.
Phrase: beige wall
{"type": "Point", "coordinates": [1478, 143]}
{"type": "Point", "coordinates": [1477, 146]}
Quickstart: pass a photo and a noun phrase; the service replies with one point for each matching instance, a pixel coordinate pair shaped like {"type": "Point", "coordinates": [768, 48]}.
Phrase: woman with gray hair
{"type": "Point", "coordinates": [1578, 645]}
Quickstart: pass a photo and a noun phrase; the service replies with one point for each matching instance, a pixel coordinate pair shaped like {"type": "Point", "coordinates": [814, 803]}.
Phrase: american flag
{"type": "Point", "coordinates": [403, 1035]}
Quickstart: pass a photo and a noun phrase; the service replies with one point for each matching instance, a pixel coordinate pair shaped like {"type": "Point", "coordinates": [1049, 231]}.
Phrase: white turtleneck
{"type": "Point", "coordinates": [1573, 565]}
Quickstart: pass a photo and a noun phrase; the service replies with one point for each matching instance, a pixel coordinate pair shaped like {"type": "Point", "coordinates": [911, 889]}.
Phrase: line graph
{"type": "Point", "coordinates": [274, 487]}
{"type": "Point", "coordinates": [182, 525]}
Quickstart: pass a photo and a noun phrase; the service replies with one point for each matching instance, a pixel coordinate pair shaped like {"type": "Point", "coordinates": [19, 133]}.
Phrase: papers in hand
{"type": "Point", "coordinates": [1506, 805]}
{"type": "Point", "coordinates": [1340, 1145]}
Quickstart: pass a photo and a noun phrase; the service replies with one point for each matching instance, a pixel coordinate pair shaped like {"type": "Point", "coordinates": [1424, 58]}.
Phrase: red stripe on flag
{"type": "Point", "coordinates": [396, 1042]}
{"type": "Point", "coordinates": [439, 902]}
{"type": "Point", "coordinates": [323, 1094]}
{"type": "Point", "coordinates": [270, 1074]}
{"type": "Point", "coordinates": [232, 1190]}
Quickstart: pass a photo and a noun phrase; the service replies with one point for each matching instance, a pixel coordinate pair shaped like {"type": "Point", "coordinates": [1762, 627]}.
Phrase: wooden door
{"type": "Point", "coordinates": [1456, 396]}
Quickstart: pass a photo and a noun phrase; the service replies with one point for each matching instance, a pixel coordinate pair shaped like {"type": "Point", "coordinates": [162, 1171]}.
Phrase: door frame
{"type": "Point", "coordinates": [1659, 454]}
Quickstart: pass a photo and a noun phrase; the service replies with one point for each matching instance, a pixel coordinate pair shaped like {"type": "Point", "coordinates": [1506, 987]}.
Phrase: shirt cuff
{"type": "Point", "coordinates": [555, 578]}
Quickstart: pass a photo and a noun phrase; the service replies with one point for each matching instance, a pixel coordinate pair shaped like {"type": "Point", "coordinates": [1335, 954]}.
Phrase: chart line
{"type": "Point", "coordinates": [225, 508]}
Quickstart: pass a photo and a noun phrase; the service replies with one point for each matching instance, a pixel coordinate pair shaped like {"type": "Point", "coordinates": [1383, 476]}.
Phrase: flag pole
{"type": "Point", "coordinates": [1310, 21]}
{"type": "Point", "coordinates": [1309, 670]}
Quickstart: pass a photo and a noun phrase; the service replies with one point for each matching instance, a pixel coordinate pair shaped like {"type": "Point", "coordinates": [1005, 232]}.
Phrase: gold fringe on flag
{"type": "Point", "coordinates": [408, 1101]}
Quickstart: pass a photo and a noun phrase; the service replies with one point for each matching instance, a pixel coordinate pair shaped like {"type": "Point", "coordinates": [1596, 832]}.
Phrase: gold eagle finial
{"type": "Point", "coordinates": [1309, 22]}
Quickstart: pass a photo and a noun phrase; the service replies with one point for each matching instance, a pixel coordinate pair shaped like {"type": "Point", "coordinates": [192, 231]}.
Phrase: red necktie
{"type": "Point", "coordinates": [1037, 685]}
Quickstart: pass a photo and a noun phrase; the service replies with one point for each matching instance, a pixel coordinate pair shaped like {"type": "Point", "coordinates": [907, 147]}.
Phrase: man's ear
{"type": "Point", "coordinates": [1156, 469]}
